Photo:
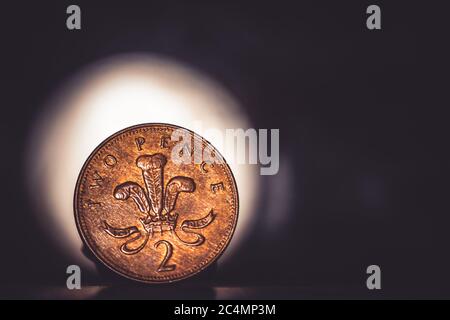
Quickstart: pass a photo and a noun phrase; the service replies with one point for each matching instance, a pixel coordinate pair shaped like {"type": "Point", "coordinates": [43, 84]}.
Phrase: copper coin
{"type": "Point", "coordinates": [146, 212]}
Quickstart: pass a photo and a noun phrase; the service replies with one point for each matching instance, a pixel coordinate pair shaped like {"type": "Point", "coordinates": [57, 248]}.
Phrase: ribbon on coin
{"type": "Point", "coordinates": [201, 223]}
{"type": "Point", "coordinates": [125, 233]}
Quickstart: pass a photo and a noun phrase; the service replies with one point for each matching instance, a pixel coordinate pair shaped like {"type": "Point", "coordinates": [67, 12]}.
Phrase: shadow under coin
{"type": "Point", "coordinates": [156, 292]}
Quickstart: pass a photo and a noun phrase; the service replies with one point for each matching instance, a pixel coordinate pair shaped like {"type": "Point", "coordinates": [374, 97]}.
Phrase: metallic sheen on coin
{"type": "Point", "coordinates": [151, 218]}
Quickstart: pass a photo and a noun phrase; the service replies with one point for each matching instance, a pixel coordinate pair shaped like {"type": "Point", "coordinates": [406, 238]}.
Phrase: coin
{"type": "Point", "coordinates": [150, 216]}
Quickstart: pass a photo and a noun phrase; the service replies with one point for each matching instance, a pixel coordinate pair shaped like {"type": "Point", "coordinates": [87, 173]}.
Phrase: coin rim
{"type": "Point", "coordinates": [107, 264]}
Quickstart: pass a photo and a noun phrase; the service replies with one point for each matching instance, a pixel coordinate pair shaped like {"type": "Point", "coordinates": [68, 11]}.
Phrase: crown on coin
{"type": "Point", "coordinates": [160, 224]}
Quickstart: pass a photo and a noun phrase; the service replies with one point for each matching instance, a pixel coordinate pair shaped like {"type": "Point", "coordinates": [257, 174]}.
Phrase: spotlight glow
{"type": "Point", "coordinates": [107, 97]}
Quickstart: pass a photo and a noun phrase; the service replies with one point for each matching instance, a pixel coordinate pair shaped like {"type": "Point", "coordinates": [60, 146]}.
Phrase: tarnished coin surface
{"type": "Point", "coordinates": [152, 206]}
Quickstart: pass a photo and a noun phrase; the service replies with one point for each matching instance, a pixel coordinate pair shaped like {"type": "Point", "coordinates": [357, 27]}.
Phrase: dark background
{"type": "Point", "coordinates": [362, 116]}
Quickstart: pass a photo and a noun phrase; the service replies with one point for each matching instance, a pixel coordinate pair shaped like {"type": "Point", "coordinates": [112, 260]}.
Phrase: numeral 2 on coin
{"type": "Point", "coordinates": [169, 249]}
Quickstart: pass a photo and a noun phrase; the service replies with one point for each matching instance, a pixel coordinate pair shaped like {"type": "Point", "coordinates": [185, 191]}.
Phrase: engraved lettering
{"type": "Point", "coordinates": [110, 161]}
{"type": "Point", "coordinates": [139, 142]}
{"type": "Point", "coordinates": [215, 187]}
{"type": "Point", "coordinates": [164, 142]}
{"type": "Point", "coordinates": [98, 180]}
{"type": "Point", "coordinates": [92, 204]}
{"type": "Point", "coordinates": [186, 150]}
{"type": "Point", "coordinates": [203, 166]}
{"type": "Point", "coordinates": [200, 223]}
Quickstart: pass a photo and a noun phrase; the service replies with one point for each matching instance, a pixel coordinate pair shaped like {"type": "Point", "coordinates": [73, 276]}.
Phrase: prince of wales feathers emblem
{"type": "Point", "coordinates": [157, 204]}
